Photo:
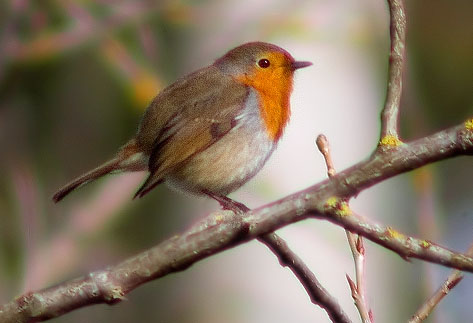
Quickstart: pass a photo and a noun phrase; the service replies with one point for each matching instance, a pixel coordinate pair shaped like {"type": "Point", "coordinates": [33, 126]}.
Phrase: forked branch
{"type": "Point", "coordinates": [355, 242]}
{"type": "Point", "coordinates": [222, 230]}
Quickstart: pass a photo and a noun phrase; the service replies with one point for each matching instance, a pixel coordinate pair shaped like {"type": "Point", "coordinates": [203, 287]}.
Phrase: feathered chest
{"type": "Point", "coordinates": [273, 99]}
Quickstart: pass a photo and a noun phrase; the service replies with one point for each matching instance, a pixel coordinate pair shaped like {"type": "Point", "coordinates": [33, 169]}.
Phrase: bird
{"type": "Point", "coordinates": [211, 131]}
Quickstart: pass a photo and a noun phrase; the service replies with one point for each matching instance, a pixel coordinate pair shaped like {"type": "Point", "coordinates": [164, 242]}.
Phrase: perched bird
{"type": "Point", "coordinates": [213, 130]}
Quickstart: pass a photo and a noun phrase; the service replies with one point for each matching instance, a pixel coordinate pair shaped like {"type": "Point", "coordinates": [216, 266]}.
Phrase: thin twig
{"type": "Point", "coordinates": [389, 137]}
{"type": "Point", "coordinates": [358, 289]}
{"type": "Point", "coordinates": [324, 148]}
{"type": "Point", "coordinates": [355, 242]}
{"type": "Point", "coordinates": [390, 114]}
{"type": "Point", "coordinates": [429, 305]}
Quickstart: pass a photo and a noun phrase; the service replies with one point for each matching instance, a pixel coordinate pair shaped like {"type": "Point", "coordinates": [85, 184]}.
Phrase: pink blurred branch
{"type": "Point", "coordinates": [85, 29]}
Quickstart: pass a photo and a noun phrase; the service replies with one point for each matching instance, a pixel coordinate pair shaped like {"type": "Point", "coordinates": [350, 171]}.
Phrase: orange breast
{"type": "Point", "coordinates": [274, 88]}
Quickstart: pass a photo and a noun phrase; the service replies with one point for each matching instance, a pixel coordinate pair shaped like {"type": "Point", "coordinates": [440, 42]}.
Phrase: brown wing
{"type": "Point", "coordinates": [212, 103]}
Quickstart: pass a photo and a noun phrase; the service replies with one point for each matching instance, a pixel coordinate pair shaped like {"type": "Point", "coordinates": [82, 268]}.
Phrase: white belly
{"type": "Point", "coordinates": [230, 162]}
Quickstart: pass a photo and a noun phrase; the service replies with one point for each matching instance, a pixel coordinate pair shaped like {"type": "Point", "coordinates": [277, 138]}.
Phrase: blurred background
{"type": "Point", "coordinates": [75, 77]}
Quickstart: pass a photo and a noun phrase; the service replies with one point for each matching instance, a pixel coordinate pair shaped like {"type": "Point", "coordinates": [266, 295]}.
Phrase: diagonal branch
{"type": "Point", "coordinates": [318, 294]}
{"type": "Point", "coordinates": [223, 230]}
{"type": "Point", "coordinates": [452, 280]}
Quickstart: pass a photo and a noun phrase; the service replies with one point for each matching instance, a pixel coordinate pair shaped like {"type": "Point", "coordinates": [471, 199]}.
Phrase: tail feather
{"type": "Point", "coordinates": [88, 177]}
{"type": "Point", "coordinates": [129, 158]}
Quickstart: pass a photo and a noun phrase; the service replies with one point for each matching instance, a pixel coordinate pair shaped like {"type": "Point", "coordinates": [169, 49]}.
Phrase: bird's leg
{"type": "Point", "coordinates": [227, 203]}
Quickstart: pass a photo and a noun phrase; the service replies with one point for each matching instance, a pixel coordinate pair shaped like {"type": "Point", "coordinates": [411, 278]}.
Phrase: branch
{"type": "Point", "coordinates": [389, 138]}
{"type": "Point", "coordinates": [222, 230]}
{"type": "Point", "coordinates": [358, 288]}
{"type": "Point", "coordinates": [390, 114]}
{"type": "Point", "coordinates": [452, 280]}
{"type": "Point", "coordinates": [355, 242]}
{"type": "Point", "coordinates": [318, 294]}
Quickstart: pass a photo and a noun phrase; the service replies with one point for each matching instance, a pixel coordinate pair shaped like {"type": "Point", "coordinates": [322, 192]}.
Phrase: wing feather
{"type": "Point", "coordinates": [211, 109]}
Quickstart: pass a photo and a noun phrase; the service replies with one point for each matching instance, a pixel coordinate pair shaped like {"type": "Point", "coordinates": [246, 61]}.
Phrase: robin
{"type": "Point", "coordinates": [213, 130]}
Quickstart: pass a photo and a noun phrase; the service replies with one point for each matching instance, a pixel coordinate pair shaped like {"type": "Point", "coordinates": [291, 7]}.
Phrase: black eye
{"type": "Point", "coordinates": [263, 63]}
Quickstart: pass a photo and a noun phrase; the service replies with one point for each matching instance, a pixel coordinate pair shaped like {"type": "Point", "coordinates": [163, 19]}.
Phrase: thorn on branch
{"type": "Point", "coordinates": [354, 291]}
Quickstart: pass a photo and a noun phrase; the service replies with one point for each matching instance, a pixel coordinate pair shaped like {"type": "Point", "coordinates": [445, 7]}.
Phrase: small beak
{"type": "Point", "coordinates": [300, 64]}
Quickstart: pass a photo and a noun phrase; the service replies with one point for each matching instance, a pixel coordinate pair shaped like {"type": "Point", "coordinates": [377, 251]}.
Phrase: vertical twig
{"type": "Point", "coordinates": [429, 305]}
{"type": "Point", "coordinates": [356, 245]}
{"type": "Point", "coordinates": [324, 148]}
{"type": "Point", "coordinates": [390, 114]}
{"type": "Point", "coordinates": [358, 289]}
